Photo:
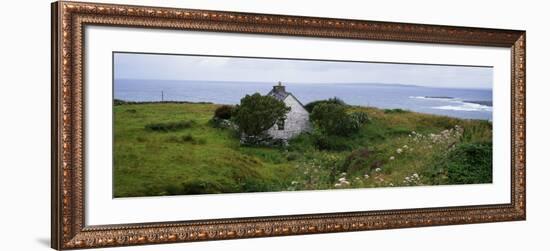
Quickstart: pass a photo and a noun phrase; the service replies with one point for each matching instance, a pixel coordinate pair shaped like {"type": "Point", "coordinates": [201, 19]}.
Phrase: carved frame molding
{"type": "Point", "coordinates": [68, 226]}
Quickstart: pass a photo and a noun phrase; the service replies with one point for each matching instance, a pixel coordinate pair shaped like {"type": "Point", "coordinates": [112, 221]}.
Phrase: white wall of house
{"type": "Point", "coordinates": [296, 122]}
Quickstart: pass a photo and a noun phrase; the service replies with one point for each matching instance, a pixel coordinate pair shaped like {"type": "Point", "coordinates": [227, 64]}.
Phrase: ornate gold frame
{"type": "Point", "coordinates": [68, 22]}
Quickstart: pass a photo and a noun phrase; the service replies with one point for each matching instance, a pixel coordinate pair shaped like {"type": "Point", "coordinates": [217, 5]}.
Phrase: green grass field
{"type": "Point", "coordinates": [172, 149]}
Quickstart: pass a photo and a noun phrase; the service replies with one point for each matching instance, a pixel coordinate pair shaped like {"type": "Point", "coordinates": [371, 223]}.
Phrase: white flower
{"type": "Point", "coordinates": [343, 174]}
{"type": "Point", "coordinates": [337, 185]}
{"type": "Point", "coordinates": [415, 175]}
{"type": "Point", "coordinates": [346, 183]}
{"type": "Point", "coordinates": [378, 169]}
{"type": "Point", "coordinates": [392, 158]}
{"type": "Point", "coordinates": [294, 182]}
{"type": "Point", "coordinates": [405, 146]}
{"type": "Point", "coordinates": [399, 150]}
{"type": "Point", "coordinates": [391, 184]}
{"type": "Point", "coordinates": [366, 176]}
{"type": "Point", "coordinates": [343, 179]}
{"type": "Point", "coordinates": [357, 178]}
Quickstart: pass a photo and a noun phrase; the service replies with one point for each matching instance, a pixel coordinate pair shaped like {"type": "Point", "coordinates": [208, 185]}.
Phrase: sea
{"type": "Point", "coordinates": [453, 102]}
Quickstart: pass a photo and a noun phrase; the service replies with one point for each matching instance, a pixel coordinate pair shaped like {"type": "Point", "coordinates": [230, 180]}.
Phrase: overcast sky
{"type": "Point", "coordinates": [179, 67]}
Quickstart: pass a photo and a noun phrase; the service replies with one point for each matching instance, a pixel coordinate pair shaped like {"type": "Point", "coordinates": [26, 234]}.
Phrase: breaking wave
{"type": "Point", "coordinates": [464, 106]}
{"type": "Point", "coordinates": [456, 104]}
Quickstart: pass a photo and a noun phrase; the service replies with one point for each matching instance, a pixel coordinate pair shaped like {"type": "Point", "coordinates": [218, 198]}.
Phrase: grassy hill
{"type": "Point", "coordinates": [171, 148]}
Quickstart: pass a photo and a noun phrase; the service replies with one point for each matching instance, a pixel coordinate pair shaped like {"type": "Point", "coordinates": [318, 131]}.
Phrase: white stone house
{"type": "Point", "coordinates": [297, 119]}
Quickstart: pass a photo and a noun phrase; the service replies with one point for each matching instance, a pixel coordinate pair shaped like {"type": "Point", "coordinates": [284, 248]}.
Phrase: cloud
{"type": "Point", "coordinates": [184, 67]}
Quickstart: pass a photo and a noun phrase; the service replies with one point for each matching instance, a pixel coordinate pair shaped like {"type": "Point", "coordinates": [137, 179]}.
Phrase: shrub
{"type": "Point", "coordinates": [256, 113]}
{"type": "Point", "coordinates": [464, 164]}
{"type": "Point", "coordinates": [188, 138]}
{"type": "Point", "coordinates": [389, 111]}
{"type": "Point", "coordinates": [477, 133]}
{"type": "Point", "coordinates": [170, 126]}
{"type": "Point", "coordinates": [292, 156]}
{"type": "Point", "coordinates": [119, 102]}
{"type": "Point", "coordinates": [200, 186]}
{"type": "Point", "coordinates": [222, 123]}
{"type": "Point", "coordinates": [331, 142]}
{"type": "Point", "coordinates": [360, 117]}
{"type": "Point", "coordinates": [309, 107]}
{"type": "Point", "coordinates": [356, 161]}
{"type": "Point", "coordinates": [332, 119]}
{"type": "Point", "coordinates": [223, 112]}
{"type": "Point", "coordinates": [141, 139]}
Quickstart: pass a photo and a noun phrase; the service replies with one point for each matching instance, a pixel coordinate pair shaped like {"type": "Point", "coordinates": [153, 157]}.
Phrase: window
{"type": "Point", "coordinates": [281, 124]}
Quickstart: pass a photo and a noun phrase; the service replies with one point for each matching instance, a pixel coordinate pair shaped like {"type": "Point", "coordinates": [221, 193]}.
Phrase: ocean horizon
{"type": "Point", "coordinates": [464, 103]}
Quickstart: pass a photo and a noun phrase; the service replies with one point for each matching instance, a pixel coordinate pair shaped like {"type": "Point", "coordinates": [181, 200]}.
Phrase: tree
{"type": "Point", "coordinates": [336, 100]}
{"type": "Point", "coordinates": [256, 113]}
{"type": "Point", "coordinates": [333, 119]}
{"type": "Point", "coordinates": [223, 112]}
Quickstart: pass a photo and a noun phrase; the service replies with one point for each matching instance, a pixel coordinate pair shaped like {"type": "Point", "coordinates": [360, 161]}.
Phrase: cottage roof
{"type": "Point", "coordinates": [279, 92]}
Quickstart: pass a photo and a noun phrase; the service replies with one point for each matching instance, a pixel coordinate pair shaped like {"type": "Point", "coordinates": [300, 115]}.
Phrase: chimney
{"type": "Point", "coordinates": [279, 87]}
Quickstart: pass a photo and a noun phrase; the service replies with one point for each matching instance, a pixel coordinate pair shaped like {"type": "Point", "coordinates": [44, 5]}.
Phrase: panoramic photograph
{"type": "Point", "coordinates": [197, 124]}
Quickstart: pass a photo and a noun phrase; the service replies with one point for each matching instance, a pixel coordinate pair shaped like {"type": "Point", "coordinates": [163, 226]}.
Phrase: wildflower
{"type": "Point", "coordinates": [356, 178]}
{"type": "Point", "coordinates": [391, 184]}
{"type": "Point", "coordinates": [366, 176]}
{"type": "Point", "coordinates": [346, 183]}
{"type": "Point", "coordinates": [415, 175]}
{"type": "Point", "coordinates": [392, 158]}
{"type": "Point", "coordinates": [342, 179]}
{"type": "Point", "coordinates": [294, 182]}
{"type": "Point", "coordinates": [378, 169]}
{"type": "Point", "coordinates": [399, 150]}
{"type": "Point", "coordinates": [405, 146]}
{"type": "Point", "coordinates": [343, 174]}
{"type": "Point", "coordinates": [337, 185]}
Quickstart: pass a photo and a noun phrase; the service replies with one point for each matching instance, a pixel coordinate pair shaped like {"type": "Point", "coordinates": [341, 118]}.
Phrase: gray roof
{"type": "Point", "coordinates": [279, 94]}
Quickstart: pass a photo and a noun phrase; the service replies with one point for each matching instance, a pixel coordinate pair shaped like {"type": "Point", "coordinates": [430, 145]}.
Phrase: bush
{"type": "Point", "coordinates": [477, 133]}
{"type": "Point", "coordinates": [337, 101]}
{"type": "Point", "coordinates": [331, 142]}
{"type": "Point", "coordinates": [356, 161]}
{"type": "Point", "coordinates": [119, 102]}
{"type": "Point", "coordinates": [360, 117]}
{"type": "Point", "coordinates": [198, 185]}
{"type": "Point", "coordinates": [332, 119]}
{"type": "Point", "coordinates": [256, 114]}
{"type": "Point", "coordinates": [170, 126]}
{"type": "Point", "coordinates": [223, 112]}
{"type": "Point", "coordinates": [389, 111]}
{"type": "Point", "coordinates": [222, 123]}
{"type": "Point", "coordinates": [293, 156]}
{"type": "Point", "coordinates": [464, 164]}
{"type": "Point", "coordinates": [188, 138]}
